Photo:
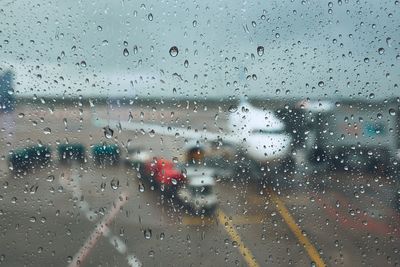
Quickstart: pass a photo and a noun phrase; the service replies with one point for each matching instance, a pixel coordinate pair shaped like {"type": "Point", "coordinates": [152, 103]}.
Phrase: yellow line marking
{"type": "Point", "coordinates": [248, 219]}
{"type": "Point", "coordinates": [192, 220]}
{"type": "Point", "coordinates": [311, 250]}
{"type": "Point", "coordinates": [245, 219]}
{"type": "Point", "coordinates": [256, 199]}
{"type": "Point", "coordinates": [233, 234]}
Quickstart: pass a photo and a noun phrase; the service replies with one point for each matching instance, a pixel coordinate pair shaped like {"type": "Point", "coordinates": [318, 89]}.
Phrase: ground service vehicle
{"type": "Point", "coordinates": [198, 192]}
{"type": "Point", "coordinates": [163, 173]}
{"type": "Point", "coordinates": [352, 134]}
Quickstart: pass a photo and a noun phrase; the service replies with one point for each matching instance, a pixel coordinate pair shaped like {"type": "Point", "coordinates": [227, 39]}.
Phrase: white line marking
{"type": "Point", "coordinates": [72, 182]}
{"type": "Point", "coordinates": [100, 230]}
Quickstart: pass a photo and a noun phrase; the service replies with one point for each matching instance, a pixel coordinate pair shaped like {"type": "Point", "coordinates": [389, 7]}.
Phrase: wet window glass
{"type": "Point", "coordinates": [199, 133]}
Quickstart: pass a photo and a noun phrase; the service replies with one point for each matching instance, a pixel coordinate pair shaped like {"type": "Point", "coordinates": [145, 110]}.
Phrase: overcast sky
{"type": "Point", "coordinates": [311, 48]}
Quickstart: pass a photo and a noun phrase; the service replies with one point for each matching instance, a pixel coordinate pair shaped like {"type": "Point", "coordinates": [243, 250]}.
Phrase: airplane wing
{"type": "Point", "coordinates": [167, 130]}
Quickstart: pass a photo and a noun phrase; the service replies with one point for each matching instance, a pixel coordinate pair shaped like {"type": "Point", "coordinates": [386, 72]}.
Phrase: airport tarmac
{"type": "Point", "coordinates": [89, 215]}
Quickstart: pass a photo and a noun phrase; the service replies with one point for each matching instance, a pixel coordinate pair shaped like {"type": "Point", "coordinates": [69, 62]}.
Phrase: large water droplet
{"type": "Point", "coordinates": [260, 50]}
{"type": "Point", "coordinates": [232, 109]}
{"type": "Point", "coordinates": [389, 41]}
{"type": "Point", "coordinates": [141, 187]}
{"type": "Point", "coordinates": [125, 52]}
{"type": "Point", "coordinates": [47, 130]}
{"type": "Point", "coordinates": [108, 132]}
{"type": "Point", "coordinates": [173, 51]}
{"type": "Point", "coordinates": [130, 116]}
{"type": "Point", "coordinates": [147, 233]}
{"type": "Point", "coordinates": [103, 186]}
{"type": "Point", "coordinates": [114, 184]}
{"type": "Point", "coordinates": [50, 178]}
{"type": "Point", "coordinates": [33, 189]}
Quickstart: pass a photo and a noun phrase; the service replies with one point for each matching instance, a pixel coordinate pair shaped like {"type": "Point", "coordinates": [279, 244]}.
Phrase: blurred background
{"type": "Point", "coordinates": [199, 133]}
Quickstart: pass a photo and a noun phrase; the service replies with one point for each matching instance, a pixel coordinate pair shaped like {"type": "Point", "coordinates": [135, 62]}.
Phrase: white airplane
{"type": "Point", "coordinates": [259, 135]}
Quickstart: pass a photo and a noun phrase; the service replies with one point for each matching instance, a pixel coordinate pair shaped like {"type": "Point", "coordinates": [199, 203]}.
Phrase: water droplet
{"type": "Point", "coordinates": [381, 51]}
{"type": "Point", "coordinates": [99, 28]}
{"type": "Point", "coordinates": [125, 52]}
{"type": "Point", "coordinates": [366, 60]}
{"type": "Point", "coordinates": [392, 111]}
{"type": "Point", "coordinates": [389, 42]}
{"type": "Point", "coordinates": [103, 186]}
{"type": "Point", "coordinates": [122, 231]}
{"type": "Point", "coordinates": [108, 132]}
{"type": "Point", "coordinates": [186, 63]}
{"type": "Point", "coordinates": [130, 117]}
{"type": "Point", "coordinates": [194, 23]}
{"type": "Point", "coordinates": [114, 184]}
{"type": "Point", "coordinates": [141, 187]}
{"type": "Point", "coordinates": [50, 178]}
{"type": "Point", "coordinates": [33, 189]}
{"type": "Point", "coordinates": [232, 109]}
{"type": "Point", "coordinates": [147, 234]}
{"type": "Point", "coordinates": [83, 64]}
{"type": "Point", "coordinates": [152, 133]}
{"type": "Point", "coordinates": [371, 96]}
{"type": "Point", "coordinates": [150, 17]}
{"type": "Point", "coordinates": [21, 115]}
{"type": "Point", "coordinates": [260, 50]}
{"type": "Point", "coordinates": [173, 51]}
{"type": "Point", "coordinates": [47, 130]}
{"type": "Point", "coordinates": [135, 49]}
{"type": "Point", "coordinates": [321, 84]}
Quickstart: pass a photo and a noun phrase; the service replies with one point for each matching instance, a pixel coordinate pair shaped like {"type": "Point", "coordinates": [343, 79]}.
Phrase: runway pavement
{"type": "Point", "coordinates": [90, 215]}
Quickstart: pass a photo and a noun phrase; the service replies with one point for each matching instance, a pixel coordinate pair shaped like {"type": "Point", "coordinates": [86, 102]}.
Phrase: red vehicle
{"type": "Point", "coordinates": [163, 172]}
